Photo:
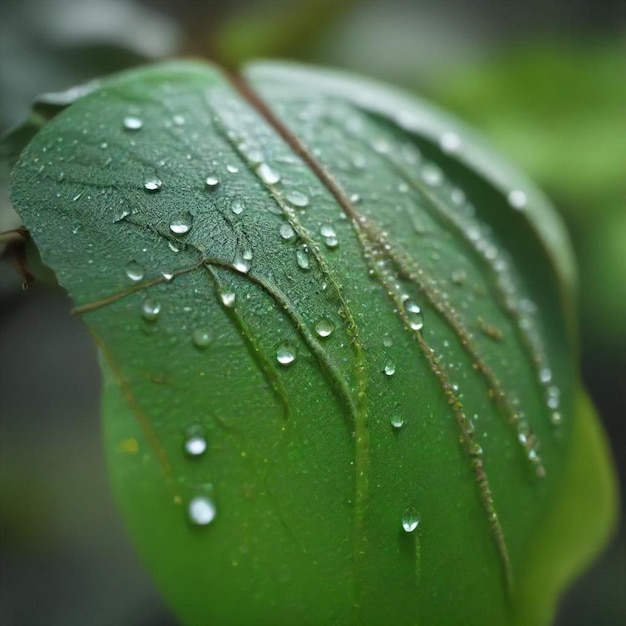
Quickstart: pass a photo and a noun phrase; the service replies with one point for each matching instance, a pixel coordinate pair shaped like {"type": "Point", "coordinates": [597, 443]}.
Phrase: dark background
{"type": "Point", "coordinates": [545, 80]}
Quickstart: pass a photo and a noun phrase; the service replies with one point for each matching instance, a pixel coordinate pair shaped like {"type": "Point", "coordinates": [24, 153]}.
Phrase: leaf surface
{"type": "Point", "coordinates": [337, 344]}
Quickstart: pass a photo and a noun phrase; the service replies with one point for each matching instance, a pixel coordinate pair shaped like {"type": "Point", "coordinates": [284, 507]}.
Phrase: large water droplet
{"type": "Point", "coordinates": [131, 122]}
{"type": "Point", "coordinates": [414, 315]}
{"type": "Point", "coordinates": [195, 443]}
{"type": "Point", "coordinates": [181, 223]}
{"type": "Point", "coordinates": [134, 271]}
{"type": "Point", "coordinates": [397, 422]}
{"type": "Point", "coordinates": [153, 184]}
{"type": "Point", "coordinates": [267, 174]}
{"type": "Point", "coordinates": [327, 230]}
{"type": "Point", "coordinates": [237, 207]}
{"type": "Point", "coordinates": [286, 354]}
{"type": "Point", "coordinates": [517, 199]}
{"type": "Point", "coordinates": [150, 309]}
{"type": "Point", "coordinates": [228, 298]}
{"type": "Point", "coordinates": [302, 257]}
{"type": "Point", "coordinates": [201, 510]}
{"type": "Point", "coordinates": [410, 519]}
{"type": "Point", "coordinates": [201, 338]}
{"type": "Point", "coordinates": [212, 182]}
{"type": "Point", "coordinates": [241, 264]}
{"type": "Point", "coordinates": [297, 199]}
{"type": "Point", "coordinates": [287, 232]}
{"type": "Point", "coordinates": [324, 327]}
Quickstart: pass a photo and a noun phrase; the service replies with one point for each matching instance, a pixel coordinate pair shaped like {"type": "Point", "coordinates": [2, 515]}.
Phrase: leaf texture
{"type": "Point", "coordinates": [337, 340]}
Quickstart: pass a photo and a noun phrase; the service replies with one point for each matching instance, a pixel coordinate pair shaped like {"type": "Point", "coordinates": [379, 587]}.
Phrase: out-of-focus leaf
{"type": "Point", "coordinates": [558, 109]}
{"type": "Point", "coordinates": [337, 341]}
{"type": "Point", "coordinates": [271, 29]}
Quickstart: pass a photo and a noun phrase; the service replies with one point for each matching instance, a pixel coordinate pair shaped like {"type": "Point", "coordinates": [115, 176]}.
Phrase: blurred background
{"type": "Point", "coordinates": [545, 80]}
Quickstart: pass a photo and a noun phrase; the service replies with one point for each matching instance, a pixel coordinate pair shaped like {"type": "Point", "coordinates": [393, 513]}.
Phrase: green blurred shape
{"type": "Point", "coordinates": [276, 29]}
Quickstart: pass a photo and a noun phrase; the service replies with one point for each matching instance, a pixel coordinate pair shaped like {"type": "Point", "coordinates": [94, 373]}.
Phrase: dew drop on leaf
{"type": "Point", "coordinates": [287, 232]}
{"type": "Point", "coordinates": [432, 175]}
{"type": "Point", "coordinates": [297, 199]}
{"type": "Point", "coordinates": [201, 338]}
{"type": "Point", "coordinates": [396, 422]}
{"type": "Point", "coordinates": [201, 510]}
{"type": "Point", "coordinates": [212, 182]}
{"type": "Point", "coordinates": [181, 224]}
{"type": "Point", "coordinates": [228, 298]}
{"type": "Point", "coordinates": [134, 271]}
{"type": "Point", "coordinates": [150, 309]}
{"type": "Point", "coordinates": [286, 354]}
{"type": "Point", "coordinates": [324, 327]}
{"type": "Point", "coordinates": [131, 122]}
{"type": "Point", "coordinates": [410, 519]}
{"type": "Point", "coordinates": [390, 368]}
{"type": "Point", "coordinates": [267, 174]}
{"type": "Point", "coordinates": [302, 257]}
{"type": "Point", "coordinates": [153, 185]}
{"type": "Point", "coordinates": [195, 444]}
{"type": "Point", "coordinates": [517, 199]}
{"type": "Point", "coordinates": [414, 315]}
{"type": "Point", "coordinates": [237, 207]}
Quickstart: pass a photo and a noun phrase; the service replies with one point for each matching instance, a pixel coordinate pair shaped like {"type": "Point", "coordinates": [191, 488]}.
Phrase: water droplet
{"type": "Point", "coordinates": [545, 375]}
{"type": "Point", "coordinates": [237, 207]}
{"type": "Point", "coordinates": [267, 174]}
{"type": "Point", "coordinates": [181, 224]}
{"type": "Point", "coordinates": [390, 368]}
{"type": "Point", "coordinates": [150, 309]}
{"type": "Point", "coordinates": [324, 327]}
{"type": "Point", "coordinates": [178, 120]}
{"type": "Point", "coordinates": [327, 230]}
{"type": "Point", "coordinates": [556, 419]}
{"type": "Point", "coordinates": [212, 182]}
{"type": "Point", "coordinates": [232, 169]}
{"type": "Point", "coordinates": [331, 242]}
{"type": "Point", "coordinates": [297, 199]}
{"type": "Point", "coordinates": [132, 122]}
{"type": "Point", "coordinates": [241, 264]}
{"type": "Point", "coordinates": [167, 275]}
{"type": "Point", "coordinates": [432, 175]}
{"type": "Point", "coordinates": [134, 271]}
{"type": "Point", "coordinates": [228, 298]}
{"type": "Point", "coordinates": [517, 199]}
{"type": "Point", "coordinates": [302, 257]}
{"type": "Point", "coordinates": [153, 184]}
{"type": "Point", "coordinates": [387, 341]}
{"type": "Point", "coordinates": [450, 142]}
{"type": "Point", "coordinates": [201, 510]}
{"type": "Point", "coordinates": [287, 232]}
{"type": "Point", "coordinates": [410, 519]}
{"type": "Point", "coordinates": [195, 443]}
{"type": "Point", "coordinates": [286, 354]}
{"type": "Point", "coordinates": [396, 422]}
{"type": "Point", "coordinates": [201, 338]}
{"type": "Point", "coordinates": [121, 214]}
{"type": "Point", "coordinates": [414, 315]}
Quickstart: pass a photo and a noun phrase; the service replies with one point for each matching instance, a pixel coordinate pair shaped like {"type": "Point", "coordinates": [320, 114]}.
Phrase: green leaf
{"type": "Point", "coordinates": [337, 340]}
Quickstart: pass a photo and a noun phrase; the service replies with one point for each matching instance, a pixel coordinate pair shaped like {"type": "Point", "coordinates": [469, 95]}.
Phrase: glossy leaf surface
{"type": "Point", "coordinates": [337, 344]}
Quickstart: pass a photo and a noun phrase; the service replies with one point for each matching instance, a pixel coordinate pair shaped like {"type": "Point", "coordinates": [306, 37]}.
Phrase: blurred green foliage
{"type": "Point", "coordinates": [559, 110]}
